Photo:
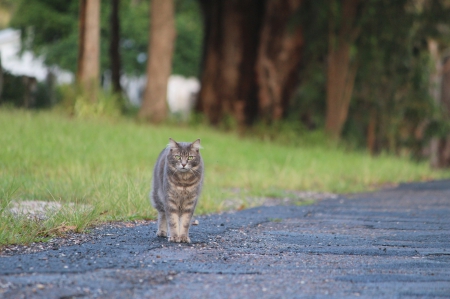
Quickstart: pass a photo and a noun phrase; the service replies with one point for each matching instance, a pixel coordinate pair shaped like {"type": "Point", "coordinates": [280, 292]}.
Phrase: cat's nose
{"type": "Point", "coordinates": [183, 164]}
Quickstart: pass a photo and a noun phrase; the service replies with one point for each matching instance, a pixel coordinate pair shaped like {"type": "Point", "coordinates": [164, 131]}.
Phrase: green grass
{"type": "Point", "coordinates": [107, 164]}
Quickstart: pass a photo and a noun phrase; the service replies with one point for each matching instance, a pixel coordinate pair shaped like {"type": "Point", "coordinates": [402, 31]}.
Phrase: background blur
{"type": "Point", "coordinates": [373, 74]}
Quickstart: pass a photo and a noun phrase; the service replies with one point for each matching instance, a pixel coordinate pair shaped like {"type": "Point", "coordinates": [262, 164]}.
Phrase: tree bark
{"type": "Point", "coordinates": [114, 47]}
{"type": "Point", "coordinates": [89, 48]}
{"type": "Point", "coordinates": [440, 146]}
{"type": "Point", "coordinates": [250, 61]}
{"type": "Point", "coordinates": [228, 79]}
{"type": "Point", "coordinates": [371, 132]}
{"type": "Point", "coordinates": [341, 70]}
{"type": "Point", "coordinates": [159, 63]}
{"type": "Point", "coordinates": [435, 92]}
{"type": "Point", "coordinates": [279, 57]}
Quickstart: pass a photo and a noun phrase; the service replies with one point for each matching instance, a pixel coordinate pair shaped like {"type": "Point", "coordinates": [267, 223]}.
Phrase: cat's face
{"type": "Point", "coordinates": [184, 156]}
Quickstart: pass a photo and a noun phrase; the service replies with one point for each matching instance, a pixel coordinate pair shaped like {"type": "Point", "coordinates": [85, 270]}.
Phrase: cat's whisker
{"type": "Point", "coordinates": [172, 172]}
{"type": "Point", "coordinates": [195, 172]}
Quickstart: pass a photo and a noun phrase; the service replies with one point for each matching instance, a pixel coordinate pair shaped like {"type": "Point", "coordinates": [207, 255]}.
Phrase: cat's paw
{"type": "Point", "coordinates": [185, 239]}
{"type": "Point", "coordinates": [175, 239]}
{"type": "Point", "coordinates": [161, 233]}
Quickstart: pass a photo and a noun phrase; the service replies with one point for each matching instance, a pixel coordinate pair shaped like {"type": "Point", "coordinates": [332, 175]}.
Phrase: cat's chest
{"type": "Point", "coordinates": [183, 186]}
{"type": "Point", "coordinates": [182, 194]}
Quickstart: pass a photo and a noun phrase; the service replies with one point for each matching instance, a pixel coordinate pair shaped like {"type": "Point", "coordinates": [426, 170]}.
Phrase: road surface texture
{"type": "Point", "coordinates": [387, 244]}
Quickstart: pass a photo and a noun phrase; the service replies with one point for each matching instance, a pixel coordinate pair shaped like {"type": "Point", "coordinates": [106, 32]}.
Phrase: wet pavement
{"type": "Point", "coordinates": [387, 244]}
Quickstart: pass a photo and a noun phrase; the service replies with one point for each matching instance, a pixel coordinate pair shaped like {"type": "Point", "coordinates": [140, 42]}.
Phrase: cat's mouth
{"type": "Point", "coordinates": [183, 169]}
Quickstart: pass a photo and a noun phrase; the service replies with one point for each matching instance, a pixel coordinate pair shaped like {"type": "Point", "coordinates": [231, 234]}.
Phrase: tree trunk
{"type": "Point", "coordinates": [278, 59]}
{"type": "Point", "coordinates": [250, 60]}
{"type": "Point", "coordinates": [435, 92]}
{"type": "Point", "coordinates": [89, 48]}
{"type": "Point", "coordinates": [436, 71]}
{"type": "Point", "coordinates": [228, 79]}
{"type": "Point", "coordinates": [341, 69]}
{"type": "Point", "coordinates": [114, 47]}
{"type": "Point", "coordinates": [440, 146]}
{"type": "Point", "coordinates": [440, 91]}
{"type": "Point", "coordinates": [371, 132]}
{"type": "Point", "coordinates": [159, 63]}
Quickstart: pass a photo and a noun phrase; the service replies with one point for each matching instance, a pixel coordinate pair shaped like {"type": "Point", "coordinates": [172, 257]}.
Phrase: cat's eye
{"type": "Point", "coordinates": [190, 157]}
{"type": "Point", "coordinates": [177, 157]}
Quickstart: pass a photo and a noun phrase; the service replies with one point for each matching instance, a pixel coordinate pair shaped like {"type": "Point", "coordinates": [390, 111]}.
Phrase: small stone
{"type": "Point", "coordinates": [195, 222]}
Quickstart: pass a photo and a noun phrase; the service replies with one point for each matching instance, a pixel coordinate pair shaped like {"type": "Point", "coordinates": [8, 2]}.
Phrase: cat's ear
{"type": "Point", "coordinates": [196, 145]}
{"type": "Point", "coordinates": [172, 144]}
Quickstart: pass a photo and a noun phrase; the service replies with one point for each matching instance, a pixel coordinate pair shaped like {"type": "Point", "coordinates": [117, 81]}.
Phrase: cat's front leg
{"type": "Point", "coordinates": [174, 226]}
{"type": "Point", "coordinates": [162, 225]}
{"type": "Point", "coordinates": [185, 223]}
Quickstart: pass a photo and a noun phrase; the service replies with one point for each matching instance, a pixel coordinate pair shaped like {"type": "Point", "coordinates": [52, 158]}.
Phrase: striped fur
{"type": "Point", "coordinates": [176, 186]}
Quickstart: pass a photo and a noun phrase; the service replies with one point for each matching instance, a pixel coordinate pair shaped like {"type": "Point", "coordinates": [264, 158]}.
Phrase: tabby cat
{"type": "Point", "coordinates": [176, 186]}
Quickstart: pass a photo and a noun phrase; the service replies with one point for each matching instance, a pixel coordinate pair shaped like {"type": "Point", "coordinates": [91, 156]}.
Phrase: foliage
{"type": "Point", "coordinates": [74, 102]}
{"type": "Point", "coordinates": [107, 164]}
{"type": "Point", "coordinates": [392, 83]}
{"type": "Point", "coordinates": [13, 90]}
{"type": "Point", "coordinates": [189, 26]}
{"type": "Point", "coordinates": [308, 104]}
{"type": "Point", "coordinates": [50, 28]}
{"type": "Point", "coordinates": [393, 78]}
{"type": "Point", "coordinates": [134, 22]}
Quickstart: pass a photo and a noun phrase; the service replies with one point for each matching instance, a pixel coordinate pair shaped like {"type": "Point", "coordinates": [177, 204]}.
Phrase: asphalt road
{"type": "Point", "coordinates": [387, 244]}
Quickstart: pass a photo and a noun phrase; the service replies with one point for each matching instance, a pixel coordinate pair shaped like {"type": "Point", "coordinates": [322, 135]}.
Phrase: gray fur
{"type": "Point", "coordinates": [176, 186]}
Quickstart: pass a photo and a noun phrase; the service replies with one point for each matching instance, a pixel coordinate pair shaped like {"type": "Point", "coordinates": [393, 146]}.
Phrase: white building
{"type": "Point", "coordinates": [26, 64]}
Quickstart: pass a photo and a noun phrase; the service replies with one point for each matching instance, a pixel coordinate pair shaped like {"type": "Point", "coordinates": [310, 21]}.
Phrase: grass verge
{"type": "Point", "coordinates": [107, 165]}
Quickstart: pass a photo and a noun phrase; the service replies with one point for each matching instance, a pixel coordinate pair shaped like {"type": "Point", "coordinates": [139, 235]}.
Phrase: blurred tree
{"type": "Point", "coordinates": [114, 47]}
{"type": "Point", "coordinates": [159, 64]}
{"type": "Point", "coordinates": [341, 70]}
{"type": "Point", "coordinates": [251, 59]}
{"type": "Point", "coordinates": [308, 105]}
{"type": "Point", "coordinates": [228, 75]}
{"type": "Point", "coordinates": [278, 60]}
{"type": "Point", "coordinates": [440, 92]}
{"type": "Point", "coordinates": [88, 71]}
{"type": "Point", "coordinates": [134, 26]}
{"type": "Point", "coordinates": [390, 90]}
{"type": "Point", "coordinates": [188, 45]}
{"type": "Point", "coordinates": [50, 28]}
{"type": "Point", "coordinates": [440, 143]}
{"type": "Point", "coordinates": [392, 104]}
{"type": "Point", "coordinates": [437, 31]}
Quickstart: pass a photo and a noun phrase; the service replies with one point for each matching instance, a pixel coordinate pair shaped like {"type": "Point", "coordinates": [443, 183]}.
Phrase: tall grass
{"type": "Point", "coordinates": [107, 166]}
